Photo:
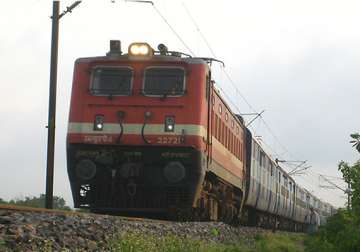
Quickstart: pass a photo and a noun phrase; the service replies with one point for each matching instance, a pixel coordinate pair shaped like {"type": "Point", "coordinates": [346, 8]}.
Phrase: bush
{"type": "Point", "coordinates": [285, 242]}
{"type": "Point", "coordinates": [341, 233]}
{"type": "Point", "coordinates": [39, 202]}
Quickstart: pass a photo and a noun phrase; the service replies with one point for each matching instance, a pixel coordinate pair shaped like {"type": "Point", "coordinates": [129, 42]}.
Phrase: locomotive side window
{"type": "Point", "coordinates": [111, 81]}
{"type": "Point", "coordinates": [163, 81]}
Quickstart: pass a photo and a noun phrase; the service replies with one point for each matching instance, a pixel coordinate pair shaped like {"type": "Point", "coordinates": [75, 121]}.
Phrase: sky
{"type": "Point", "coordinates": [297, 60]}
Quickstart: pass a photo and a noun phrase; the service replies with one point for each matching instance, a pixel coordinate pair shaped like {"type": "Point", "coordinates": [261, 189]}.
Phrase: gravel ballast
{"type": "Point", "coordinates": [29, 231]}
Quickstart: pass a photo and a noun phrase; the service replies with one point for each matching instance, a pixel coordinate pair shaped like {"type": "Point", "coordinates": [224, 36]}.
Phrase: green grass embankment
{"type": "Point", "coordinates": [267, 242]}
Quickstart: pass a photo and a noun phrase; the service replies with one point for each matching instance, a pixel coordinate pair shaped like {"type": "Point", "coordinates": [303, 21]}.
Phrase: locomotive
{"type": "Point", "coordinates": [149, 133]}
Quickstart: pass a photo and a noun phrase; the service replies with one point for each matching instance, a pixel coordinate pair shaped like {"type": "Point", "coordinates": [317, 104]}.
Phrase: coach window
{"type": "Point", "coordinates": [262, 159]}
{"type": "Point", "coordinates": [107, 80]}
{"type": "Point", "coordinates": [164, 81]}
{"type": "Point", "coordinates": [279, 177]}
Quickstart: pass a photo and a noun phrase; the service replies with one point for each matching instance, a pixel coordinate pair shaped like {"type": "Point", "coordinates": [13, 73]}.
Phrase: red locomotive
{"type": "Point", "coordinates": [149, 133]}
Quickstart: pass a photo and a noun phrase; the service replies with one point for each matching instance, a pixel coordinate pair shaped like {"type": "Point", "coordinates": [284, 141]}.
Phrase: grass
{"type": "Point", "coordinates": [132, 242]}
{"type": "Point", "coordinates": [284, 242]}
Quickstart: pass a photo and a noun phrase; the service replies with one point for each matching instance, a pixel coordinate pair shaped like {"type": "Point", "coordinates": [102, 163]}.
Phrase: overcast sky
{"type": "Point", "coordinates": [298, 60]}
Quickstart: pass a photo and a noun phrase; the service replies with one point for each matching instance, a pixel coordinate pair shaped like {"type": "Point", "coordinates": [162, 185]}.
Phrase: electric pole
{"type": "Point", "coordinates": [52, 106]}
{"type": "Point", "coordinates": [52, 100]}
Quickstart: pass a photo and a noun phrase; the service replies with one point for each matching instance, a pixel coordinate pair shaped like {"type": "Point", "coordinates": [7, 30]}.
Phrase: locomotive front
{"type": "Point", "coordinates": [137, 133]}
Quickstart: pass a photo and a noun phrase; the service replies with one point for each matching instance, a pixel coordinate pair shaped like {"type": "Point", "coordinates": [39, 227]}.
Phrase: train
{"type": "Point", "coordinates": [150, 134]}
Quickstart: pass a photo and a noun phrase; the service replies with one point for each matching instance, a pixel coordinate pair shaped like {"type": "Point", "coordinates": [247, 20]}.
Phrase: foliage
{"type": "Point", "coordinates": [215, 232]}
{"type": "Point", "coordinates": [2, 201]}
{"type": "Point", "coordinates": [342, 231]}
{"type": "Point", "coordinates": [356, 141]}
{"type": "Point", "coordinates": [351, 174]}
{"type": "Point", "coordinates": [132, 242]}
{"type": "Point", "coordinates": [39, 202]}
{"type": "Point", "coordinates": [280, 242]}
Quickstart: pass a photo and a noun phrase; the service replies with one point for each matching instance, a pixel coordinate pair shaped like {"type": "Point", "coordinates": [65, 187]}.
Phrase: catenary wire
{"type": "Point", "coordinates": [286, 151]}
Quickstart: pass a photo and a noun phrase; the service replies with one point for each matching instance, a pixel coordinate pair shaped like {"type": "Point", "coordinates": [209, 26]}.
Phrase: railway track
{"type": "Point", "coordinates": [71, 212]}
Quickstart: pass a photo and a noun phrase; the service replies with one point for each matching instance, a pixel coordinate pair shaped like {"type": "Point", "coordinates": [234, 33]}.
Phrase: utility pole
{"type": "Point", "coordinates": [52, 100]}
{"type": "Point", "coordinates": [52, 106]}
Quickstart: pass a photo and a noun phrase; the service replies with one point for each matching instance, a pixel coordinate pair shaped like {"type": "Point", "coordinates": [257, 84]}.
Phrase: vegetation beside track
{"type": "Point", "coordinates": [342, 231]}
{"type": "Point", "coordinates": [266, 242]}
{"type": "Point", "coordinates": [37, 202]}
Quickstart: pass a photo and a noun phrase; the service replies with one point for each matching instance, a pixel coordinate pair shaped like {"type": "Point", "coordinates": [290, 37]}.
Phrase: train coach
{"type": "Point", "coordinates": [273, 198]}
{"type": "Point", "coordinates": [149, 133]}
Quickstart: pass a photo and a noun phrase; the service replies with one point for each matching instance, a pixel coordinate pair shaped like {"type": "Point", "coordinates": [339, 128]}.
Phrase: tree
{"type": "Point", "coordinates": [2, 201]}
{"type": "Point", "coordinates": [351, 175]}
{"type": "Point", "coordinates": [356, 141]}
{"type": "Point", "coordinates": [342, 231]}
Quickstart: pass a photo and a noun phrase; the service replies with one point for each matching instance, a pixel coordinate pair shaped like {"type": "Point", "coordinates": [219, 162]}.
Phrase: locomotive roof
{"type": "Point", "coordinates": [160, 58]}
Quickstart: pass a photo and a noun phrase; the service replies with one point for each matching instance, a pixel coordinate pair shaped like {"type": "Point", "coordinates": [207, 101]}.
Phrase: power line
{"type": "Point", "coordinates": [232, 82]}
{"type": "Point", "coordinates": [173, 30]}
{"type": "Point", "coordinates": [166, 21]}
{"type": "Point", "coordinates": [198, 29]}
{"type": "Point", "coordinates": [213, 53]}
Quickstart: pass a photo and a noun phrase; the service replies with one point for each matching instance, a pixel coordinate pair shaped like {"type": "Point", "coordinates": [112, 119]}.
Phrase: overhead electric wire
{"type": "Point", "coordinates": [173, 30]}
{"type": "Point", "coordinates": [198, 29]}
{"type": "Point", "coordinates": [166, 21]}
{"type": "Point", "coordinates": [286, 151]}
{"type": "Point", "coordinates": [214, 55]}
{"type": "Point", "coordinates": [232, 81]}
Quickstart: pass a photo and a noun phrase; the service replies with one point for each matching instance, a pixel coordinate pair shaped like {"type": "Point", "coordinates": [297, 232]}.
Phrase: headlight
{"type": "Point", "coordinates": [85, 169]}
{"type": "Point", "coordinates": [174, 171]}
{"type": "Point", "coordinates": [140, 50]}
{"type": "Point", "coordinates": [169, 123]}
{"type": "Point", "coordinates": [99, 123]}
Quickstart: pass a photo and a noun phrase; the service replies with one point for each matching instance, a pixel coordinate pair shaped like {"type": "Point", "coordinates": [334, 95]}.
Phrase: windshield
{"type": "Point", "coordinates": [162, 81]}
{"type": "Point", "coordinates": [111, 81]}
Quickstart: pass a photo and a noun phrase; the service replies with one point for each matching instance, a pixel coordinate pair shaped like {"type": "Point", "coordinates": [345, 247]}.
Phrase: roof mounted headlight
{"type": "Point", "coordinates": [140, 50]}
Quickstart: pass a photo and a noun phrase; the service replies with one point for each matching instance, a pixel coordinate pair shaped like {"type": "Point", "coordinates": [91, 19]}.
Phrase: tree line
{"type": "Point", "coordinates": [38, 202]}
{"type": "Point", "coordinates": [342, 231]}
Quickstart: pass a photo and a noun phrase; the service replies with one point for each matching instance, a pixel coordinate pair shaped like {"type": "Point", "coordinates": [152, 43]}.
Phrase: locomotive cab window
{"type": "Point", "coordinates": [164, 81]}
{"type": "Point", "coordinates": [111, 81]}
